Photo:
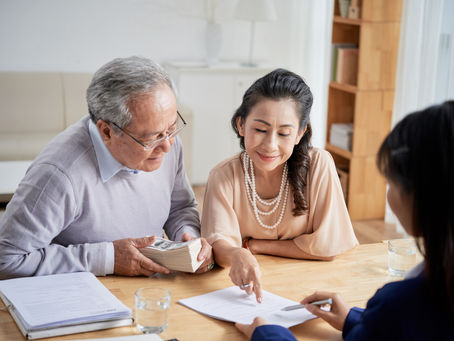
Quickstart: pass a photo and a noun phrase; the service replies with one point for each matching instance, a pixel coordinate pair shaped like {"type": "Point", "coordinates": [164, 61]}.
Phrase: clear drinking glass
{"type": "Point", "coordinates": [151, 310]}
{"type": "Point", "coordinates": [401, 256]}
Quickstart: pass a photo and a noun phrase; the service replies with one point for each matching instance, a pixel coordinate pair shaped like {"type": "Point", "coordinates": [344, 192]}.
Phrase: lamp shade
{"type": "Point", "coordinates": [255, 10]}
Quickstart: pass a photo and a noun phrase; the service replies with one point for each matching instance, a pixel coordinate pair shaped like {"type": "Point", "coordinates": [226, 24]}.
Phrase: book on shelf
{"type": "Point", "coordinates": [334, 57]}
{"type": "Point", "coordinates": [179, 256]}
{"type": "Point", "coordinates": [46, 306]}
{"type": "Point", "coordinates": [347, 65]}
{"type": "Point", "coordinates": [341, 135]}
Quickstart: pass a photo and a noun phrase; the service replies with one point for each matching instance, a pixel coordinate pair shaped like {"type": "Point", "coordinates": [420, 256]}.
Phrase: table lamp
{"type": "Point", "coordinates": [253, 11]}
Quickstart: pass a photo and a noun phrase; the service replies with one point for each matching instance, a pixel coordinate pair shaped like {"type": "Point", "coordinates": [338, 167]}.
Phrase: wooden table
{"type": "Point", "coordinates": [356, 274]}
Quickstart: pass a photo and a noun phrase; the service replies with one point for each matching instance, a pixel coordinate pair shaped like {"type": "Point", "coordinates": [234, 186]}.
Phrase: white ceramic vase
{"type": "Point", "coordinates": [343, 7]}
{"type": "Point", "coordinates": [213, 41]}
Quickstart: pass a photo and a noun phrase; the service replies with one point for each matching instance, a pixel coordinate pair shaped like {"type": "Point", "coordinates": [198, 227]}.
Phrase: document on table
{"type": "Point", "coordinates": [234, 305]}
{"type": "Point", "coordinates": [143, 337]}
{"type": "Point", "coordinates": [60, 304]}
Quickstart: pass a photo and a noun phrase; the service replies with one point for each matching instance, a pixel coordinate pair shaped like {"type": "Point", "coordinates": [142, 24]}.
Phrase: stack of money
{"type": "Point", "coordinates": [179, 256]}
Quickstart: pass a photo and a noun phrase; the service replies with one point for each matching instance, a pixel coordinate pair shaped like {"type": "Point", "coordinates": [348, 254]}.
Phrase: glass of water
{"type": "Point", "coordinates": [401, 256]}
{"type": "Point", "coordinates": [151, 309]}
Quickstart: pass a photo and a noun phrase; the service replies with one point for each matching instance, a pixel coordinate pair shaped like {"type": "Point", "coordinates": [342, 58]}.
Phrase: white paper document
{"type": "Point", "coordinates": [234, 305]}
{"type": "Point", "coordinates": [142, 337]}
{"type": "Point", "coordinates": [61, 300]}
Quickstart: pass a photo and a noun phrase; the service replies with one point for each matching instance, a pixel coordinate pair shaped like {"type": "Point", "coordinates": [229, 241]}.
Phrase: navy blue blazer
{"type": "Point", "coordinates": [403, 310]}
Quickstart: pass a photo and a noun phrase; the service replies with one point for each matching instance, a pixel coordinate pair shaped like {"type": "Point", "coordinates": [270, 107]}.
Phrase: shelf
{"type": "Point", "coordinates": [341, 20]}
{"type": "Point", "coordinates": [339, 151]}
{"type": "Point", "coordinates": [366, 103]}
{"type": "Point", "coordinates": [358, 22]}
{"type": "Point", "coordinates": [344, 87]}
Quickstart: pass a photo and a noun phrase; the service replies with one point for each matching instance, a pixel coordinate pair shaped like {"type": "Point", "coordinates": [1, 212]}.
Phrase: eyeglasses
{"type": "Point", "coordinates": [171, 133]}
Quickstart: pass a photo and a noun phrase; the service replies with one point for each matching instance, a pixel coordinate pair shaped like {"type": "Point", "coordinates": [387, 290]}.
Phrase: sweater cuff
{"type": "Point", "coordinates": [194, 232]}
{"type": "Point", "coordinates": [353, 317]}
{"type": "Point", "coordinates": [110, 259]}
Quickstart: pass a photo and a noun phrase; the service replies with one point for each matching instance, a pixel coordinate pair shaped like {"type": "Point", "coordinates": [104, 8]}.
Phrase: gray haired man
{"type": "Point", "coordinates": [107, 185]}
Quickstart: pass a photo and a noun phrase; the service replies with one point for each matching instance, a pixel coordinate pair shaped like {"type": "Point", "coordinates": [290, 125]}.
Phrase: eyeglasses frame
{"type": "Point", "coordinates": [157, 142]}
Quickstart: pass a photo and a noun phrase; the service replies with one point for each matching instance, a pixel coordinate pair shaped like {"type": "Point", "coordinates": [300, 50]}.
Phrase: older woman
{"type": "Point", "coordinates": [280, 196]}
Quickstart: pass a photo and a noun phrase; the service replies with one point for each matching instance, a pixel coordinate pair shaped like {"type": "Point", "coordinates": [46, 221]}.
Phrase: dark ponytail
{"type": "Point", "coordinates": [298, 169]}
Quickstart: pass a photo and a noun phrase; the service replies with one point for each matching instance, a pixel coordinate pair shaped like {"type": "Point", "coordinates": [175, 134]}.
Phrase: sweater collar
{"type": "Point", "coordinates": [108, 165]}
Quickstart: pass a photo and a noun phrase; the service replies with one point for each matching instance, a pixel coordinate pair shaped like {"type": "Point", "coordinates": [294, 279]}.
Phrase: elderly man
{"type": "Point", "coordinates": [107, 185]}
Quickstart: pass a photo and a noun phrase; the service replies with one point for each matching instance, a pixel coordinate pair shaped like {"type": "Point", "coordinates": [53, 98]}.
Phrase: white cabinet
{"type": "Point", "coordinates": [212, 94]}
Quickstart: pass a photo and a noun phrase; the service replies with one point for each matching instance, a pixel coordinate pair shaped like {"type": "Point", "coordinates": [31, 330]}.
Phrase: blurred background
{"type": "Point", "coordinates": [214, 50]}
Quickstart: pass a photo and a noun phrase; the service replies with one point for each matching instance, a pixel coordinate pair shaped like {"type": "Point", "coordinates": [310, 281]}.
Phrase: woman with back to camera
{"type": "Point", "coordinates": [417, 159]}
{"type": "Point", "coordinates": [280, 196]}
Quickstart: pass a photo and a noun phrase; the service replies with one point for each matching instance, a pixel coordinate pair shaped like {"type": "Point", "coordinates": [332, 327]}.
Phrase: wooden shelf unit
{"type": "Point", "coordinates": [368, 104]}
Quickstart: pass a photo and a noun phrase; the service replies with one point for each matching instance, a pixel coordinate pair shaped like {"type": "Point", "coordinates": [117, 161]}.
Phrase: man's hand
{"type": "Point", "coordinates": [130, 262]}
{"type": "Point", "coordinates": [206, 254]}
{"type": "Point", "coordinates": [339, 309]}
{"type": "Point", "coordinates": [248, 329]}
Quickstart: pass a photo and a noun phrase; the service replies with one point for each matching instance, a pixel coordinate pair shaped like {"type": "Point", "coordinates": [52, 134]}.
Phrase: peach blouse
{"type": "Point", "coordinates": [325, 230]}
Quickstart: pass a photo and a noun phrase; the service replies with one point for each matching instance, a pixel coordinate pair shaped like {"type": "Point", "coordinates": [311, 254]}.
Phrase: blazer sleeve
{"type": "Point", "coordinates": [379, 321]}
{"type": "Point", "coordinates": [353, 318]}
{"type": "Point", "coordinates": [271, 332]}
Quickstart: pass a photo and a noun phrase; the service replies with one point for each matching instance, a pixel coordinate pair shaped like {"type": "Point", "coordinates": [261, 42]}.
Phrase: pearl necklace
{"type": "Point", "coordinates": [249, 181]}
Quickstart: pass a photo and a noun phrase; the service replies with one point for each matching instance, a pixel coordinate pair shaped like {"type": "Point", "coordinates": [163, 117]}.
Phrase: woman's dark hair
{"type": "Point", "coordinates": [418, 155]}
{"type": "Point", "coordinates": [278, 85]}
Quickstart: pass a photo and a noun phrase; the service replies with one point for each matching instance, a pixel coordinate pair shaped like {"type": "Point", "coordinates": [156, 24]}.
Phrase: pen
{"type": "Point", "coordinates": [299, 306]}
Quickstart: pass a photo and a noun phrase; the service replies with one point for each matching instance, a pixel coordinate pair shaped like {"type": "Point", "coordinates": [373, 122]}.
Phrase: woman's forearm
{"type": "Point", "coordinates": [223, 252]}
{"type": "Point", "coordinates": [282, 248]}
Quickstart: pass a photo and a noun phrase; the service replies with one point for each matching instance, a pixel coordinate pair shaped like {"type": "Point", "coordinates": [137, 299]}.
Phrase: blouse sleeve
{"type": "Point", "coordinates": [219, 220]}
{"type": "Point", "coordinates": [331, 229]}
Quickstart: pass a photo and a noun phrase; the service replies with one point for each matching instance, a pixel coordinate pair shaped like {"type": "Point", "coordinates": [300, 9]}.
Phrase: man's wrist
{"type": "Point", "coordinates": [193, 231]}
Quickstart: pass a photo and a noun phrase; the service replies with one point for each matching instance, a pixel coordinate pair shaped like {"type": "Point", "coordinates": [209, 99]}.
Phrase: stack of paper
{"type": "Point", "coordinates": [179, 256]}
{"type": "Point", "coordinates": [341, 135]}
{"type": "Point", "coordinates": [62, 304]}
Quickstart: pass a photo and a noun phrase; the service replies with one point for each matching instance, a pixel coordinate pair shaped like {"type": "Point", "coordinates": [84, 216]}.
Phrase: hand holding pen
{"type": "Point", "coordinates": [335, 316]}
{"type": "Point", "coordinates": [321, 303]}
